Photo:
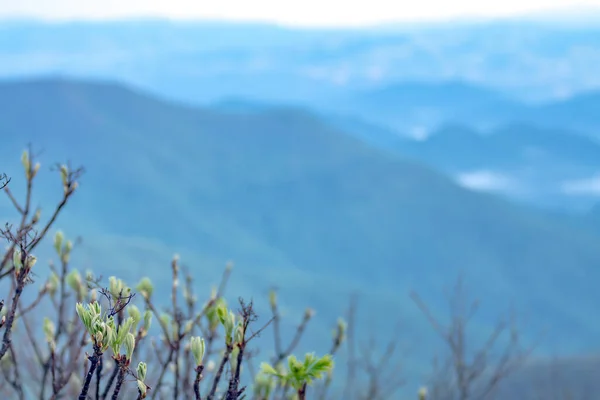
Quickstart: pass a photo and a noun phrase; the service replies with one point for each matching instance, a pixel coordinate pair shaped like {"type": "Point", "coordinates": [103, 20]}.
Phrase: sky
{"type": "Point", "coordinates": [287, 12]}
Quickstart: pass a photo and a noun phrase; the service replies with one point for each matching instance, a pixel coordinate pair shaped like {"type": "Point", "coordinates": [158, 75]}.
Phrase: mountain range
{"type": "Point", "coordinates": [478, 137]}
{"type": "Point", "coordinates": [298, 202]}
{"type": "Point", "coordinates": [515, 77]}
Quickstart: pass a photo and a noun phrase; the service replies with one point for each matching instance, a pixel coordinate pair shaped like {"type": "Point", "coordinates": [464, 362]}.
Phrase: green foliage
{"type": "Point", "coordinates": [303, 373]}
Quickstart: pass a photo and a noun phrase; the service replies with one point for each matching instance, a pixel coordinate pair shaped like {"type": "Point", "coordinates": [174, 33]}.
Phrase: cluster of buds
{"type": "Point", "coordinates": [117, 288]}
{"type": "Point", "coordinates": [101, 329]}
{"type": "Point", "coordinates": [63, 248]}
{"type": "Point", "coordinates": [105, 333]}
{"type": "Point", "coordinates": [30, 172]}
{"type": "Point", "coordinates": [23, 262]}
{"type": "Point", "coordinates": [69, 185]}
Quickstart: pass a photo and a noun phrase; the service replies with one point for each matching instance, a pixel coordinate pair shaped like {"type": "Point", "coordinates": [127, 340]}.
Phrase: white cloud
{"type": "Point", "coordinates": [293, 12]}
{"type": "Point", "coordinates": [488, 181]}
{"type": "Point", "coordinates": [586, 186]}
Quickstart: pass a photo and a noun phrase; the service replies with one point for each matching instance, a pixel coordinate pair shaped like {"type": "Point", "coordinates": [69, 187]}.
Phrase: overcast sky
{"type": "Point", "coordinates": [290, 12]}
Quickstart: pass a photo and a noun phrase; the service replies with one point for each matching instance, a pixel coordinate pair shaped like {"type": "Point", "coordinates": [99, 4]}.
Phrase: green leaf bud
{"type": "Point", "coordinates": [49, 330]}
{"type": "Point", "coordinates": [74, 280]}
{"type": "Point", "coordinates": [198, 348]}
{"type": "Point", "coordinates": [141, 371]}
{"type": "Point", "coordinates": [58, 240]}
{"type": "Point", "coordinates": [145, 287]}
{"type": "Point", "coordinates": [30, 261]}
{"type": "Point", "coordinates": [64, 175]}
{"type": "Point", "coordinates": [239, 333]}
{"type": "Point", "coordinates": [26, 163]}
{"type": "Point", "coordinates": [85, 316]}
{"type": "Point", "coordinates": [129, 345]}
{"type": "Point", "coordinates": [134, 313]}
{"type": "Point", "coordinates": [147, 320]}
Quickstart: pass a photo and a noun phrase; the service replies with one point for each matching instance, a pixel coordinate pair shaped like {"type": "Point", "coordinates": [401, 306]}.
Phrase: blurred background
{"type": "Point", "coordinates": [330, 149]}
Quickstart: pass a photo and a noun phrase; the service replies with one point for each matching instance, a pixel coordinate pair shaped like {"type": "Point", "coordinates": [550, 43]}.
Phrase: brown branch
{"type": "Point", "coordinates": [16, 382]}
{"type": "Point", "coordinates": [4, 181]}
{"type": "Point", "coordinates": [94, 363]}
{"type": "Point", "coordinates": [232, 392]}
{"type": "Point", "coordinates": [217, 378]}
{"type": "Point", "coordinates": [199, 370]}
{"type": "Point", "coordinates": [99, 376]}
{"type": "Point", "coordinates": [31, 337]}
{"type": "Point", "coordinates": [161, 323]}
{"type": "Point", "coordinates": [469, 374]}
{"type": "Point", "coordinates": [38, 299]}
{"type": "Point", "coordinates": [13, 200]}
{"type": "Point", "coordinates": [297, 336]}
{"type": "Point", "coordinates": [123, 362]}
{"type": "Point", "coordinates": [21, 279]}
